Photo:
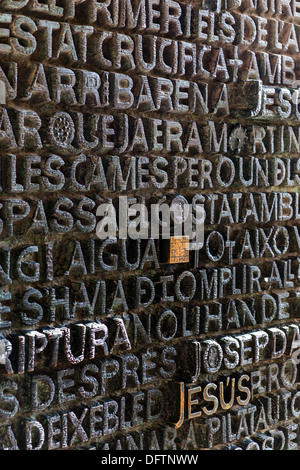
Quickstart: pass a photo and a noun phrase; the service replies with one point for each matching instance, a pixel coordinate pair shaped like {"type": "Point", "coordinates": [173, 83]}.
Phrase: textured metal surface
{"type": "Point", "coordinates": [134, 344]}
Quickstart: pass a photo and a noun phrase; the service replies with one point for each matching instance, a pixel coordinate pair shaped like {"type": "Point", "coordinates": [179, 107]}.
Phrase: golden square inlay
{"type": "Point", "coordinates": [179, 252]}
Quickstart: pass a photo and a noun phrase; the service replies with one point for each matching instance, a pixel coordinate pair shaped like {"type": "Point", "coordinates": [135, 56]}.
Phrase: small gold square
{"type": "Point", "coordinates": [179, 250]}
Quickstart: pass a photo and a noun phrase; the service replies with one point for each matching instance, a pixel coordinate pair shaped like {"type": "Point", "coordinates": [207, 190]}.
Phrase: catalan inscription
{"type": "Point", "coordinates": [136, 342]}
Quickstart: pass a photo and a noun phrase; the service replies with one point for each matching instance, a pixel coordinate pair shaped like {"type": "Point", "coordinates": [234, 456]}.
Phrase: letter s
{"type": "Point", "coordinates": [243, 389]}
{"type": "Point", "coordinates": [8, 398]}
{"type": "Point", "coordinates": [208, 397]}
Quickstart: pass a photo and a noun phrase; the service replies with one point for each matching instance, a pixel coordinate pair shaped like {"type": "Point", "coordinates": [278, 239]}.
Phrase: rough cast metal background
{"type": "Point", "coordinates": [104, 344]}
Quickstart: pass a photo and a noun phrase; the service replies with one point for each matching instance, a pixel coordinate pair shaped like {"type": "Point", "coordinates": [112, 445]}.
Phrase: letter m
{"type": "Point", "coordinates": [132, 17]}
{"type": "Point", "coordinates": [215, 144]}
{"type": "Point", "coordinates": [122, 178]}
{"type": "Point", "coordinates": [273, 76]}
{"type": "Point", "coordinates": [209, 289]}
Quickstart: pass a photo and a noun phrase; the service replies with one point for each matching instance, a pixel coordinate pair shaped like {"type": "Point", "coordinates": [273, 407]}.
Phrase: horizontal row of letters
{"type": "Point", "coordinates": [132, 14]}
{"type": "Point", "coordinates": [84, 173]}
{"type": "Point", "coordinates": [23, 35]}
{"type": "Point", "coordinates": [20, 217]}
{"type": "Point", "coordinates": [86, 259]}
{"type": "Point", "coordinates": [83, 301]}
{"type": "Point", "coordinates": [101, 342]}
{"type": "Point", "coordinates": [68, 134]}
{"type": "Point", "coordinates": [101, 420]}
